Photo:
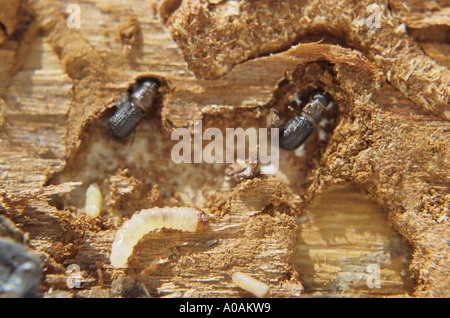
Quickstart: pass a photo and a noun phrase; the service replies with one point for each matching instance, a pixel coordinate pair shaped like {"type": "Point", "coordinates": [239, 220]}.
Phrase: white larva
{"type": "Point", "coordinates": [94, 201]}
{"type": "Point", "coordinates": [145, 221]}
{"type": "Point", "coordinates": [250, 284]}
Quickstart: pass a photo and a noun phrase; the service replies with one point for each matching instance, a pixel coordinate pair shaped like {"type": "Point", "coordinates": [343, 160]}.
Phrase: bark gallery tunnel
{"type": "Point", "coordinates": [87, 116]}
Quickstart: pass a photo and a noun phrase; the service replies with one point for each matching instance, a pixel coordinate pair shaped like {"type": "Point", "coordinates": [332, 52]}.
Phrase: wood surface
{"type": "Point", "coordinates": [387, 140]}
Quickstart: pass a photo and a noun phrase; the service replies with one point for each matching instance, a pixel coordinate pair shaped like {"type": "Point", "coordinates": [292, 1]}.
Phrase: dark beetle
{"type": "Point", "coordinates": [20, 270]}
{"type": "Point", "coordinates": [299, 128]}
{"type": "Point", "coordinates": [131, 110]}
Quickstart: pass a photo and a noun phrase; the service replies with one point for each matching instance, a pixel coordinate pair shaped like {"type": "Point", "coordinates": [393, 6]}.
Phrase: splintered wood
{"type": "Point", "coordinates": [230, 64]}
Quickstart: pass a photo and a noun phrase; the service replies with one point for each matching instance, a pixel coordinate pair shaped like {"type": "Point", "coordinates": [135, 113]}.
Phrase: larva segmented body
{"type": "Point", "coordinates": [250, 284]}
{"type": "Point", "coordinates": [94, 201]}
{"type": "Point", "coordinates": [145, 221]}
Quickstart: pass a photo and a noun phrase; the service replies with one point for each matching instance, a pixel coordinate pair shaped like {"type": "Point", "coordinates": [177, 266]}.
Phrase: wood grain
{"type": "Point", "coordinates": [341, 235]}
{"type": "Point", "coordinates": [58, 85]}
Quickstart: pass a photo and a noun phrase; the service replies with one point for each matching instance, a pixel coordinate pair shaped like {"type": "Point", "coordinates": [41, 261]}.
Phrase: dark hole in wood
{"type": "Point", "coordinates": [3, 28]}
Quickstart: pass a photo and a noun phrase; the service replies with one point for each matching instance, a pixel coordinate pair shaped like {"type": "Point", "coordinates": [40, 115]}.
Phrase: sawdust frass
{"type": "Point", "coordinates": [377, 143]}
